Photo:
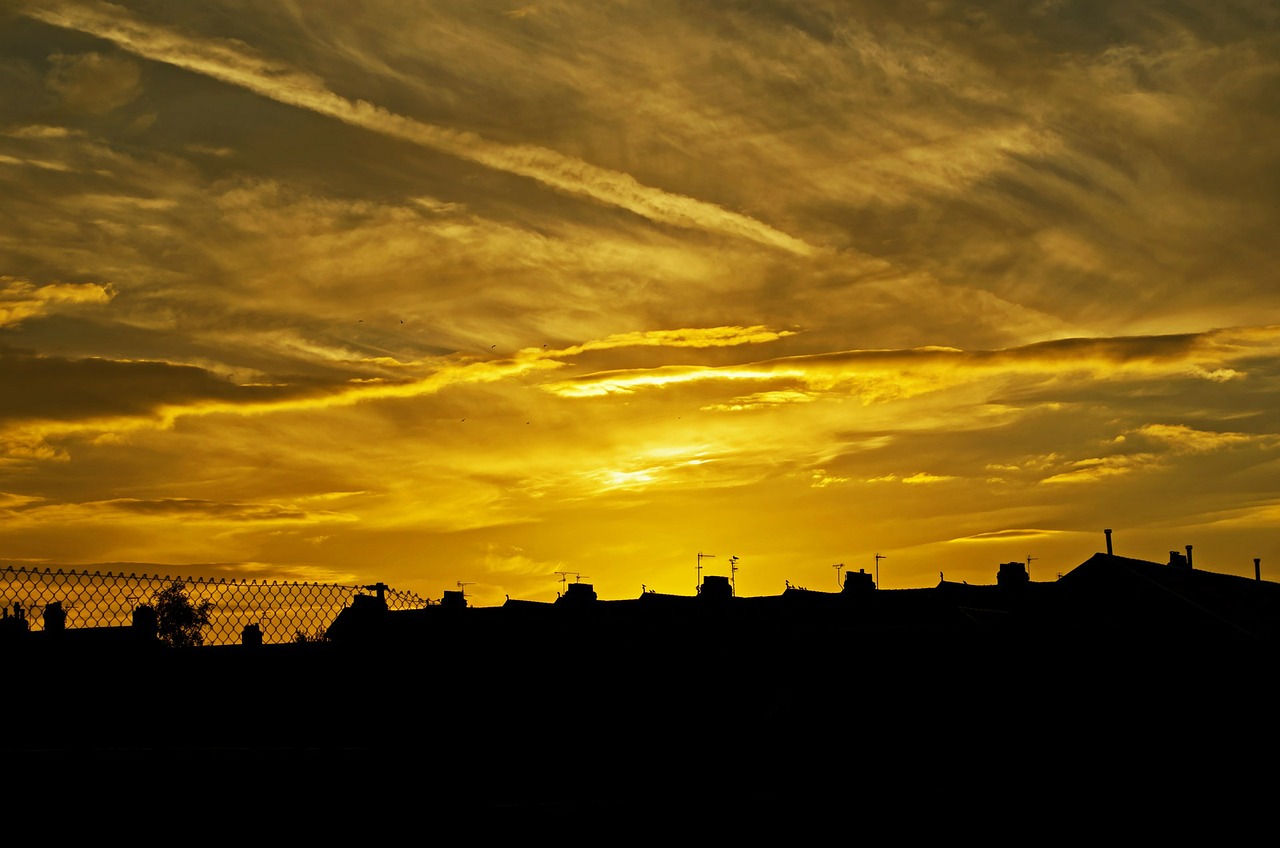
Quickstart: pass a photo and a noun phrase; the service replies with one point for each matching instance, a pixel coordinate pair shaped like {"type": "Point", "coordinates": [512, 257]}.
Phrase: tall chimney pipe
{"type": "Point", "coordinates": [1257, 568]}
{"type": "Point", "coordinates": [1189, 557]}
{"type": "Point", "coordinates": [1108, 532]}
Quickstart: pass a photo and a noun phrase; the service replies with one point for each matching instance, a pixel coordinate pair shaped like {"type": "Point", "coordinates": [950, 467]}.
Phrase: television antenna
{"type": "Point", "coordinates": [463, 586]}
{"type": "Point", "coordinates": [701, 557]}
{"type": "Point", "coordinates": [837, 567]}
{"type": "Point", "coordinates": [564, 577]}
{"type": "Point", "coordinates": [1029, 558]}
{"type": "Point", "coordinates": [878, 558]}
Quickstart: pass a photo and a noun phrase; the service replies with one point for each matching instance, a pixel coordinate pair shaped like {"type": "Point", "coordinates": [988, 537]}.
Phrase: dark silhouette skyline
{"type": "Point", "coordinates": [590, 704]}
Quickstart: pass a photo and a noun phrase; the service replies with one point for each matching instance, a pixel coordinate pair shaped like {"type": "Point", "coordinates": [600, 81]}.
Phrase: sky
{"type": "Point", "coordinates": [496, 297]}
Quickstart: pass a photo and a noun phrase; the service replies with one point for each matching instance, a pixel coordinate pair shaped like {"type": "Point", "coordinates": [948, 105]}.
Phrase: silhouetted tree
{"type": "Point", "coordinates": [302, 637]}
{"type": "Point", "coordinates": [179, 622]}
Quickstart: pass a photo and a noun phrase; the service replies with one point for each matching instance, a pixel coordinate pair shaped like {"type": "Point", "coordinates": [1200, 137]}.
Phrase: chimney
{"type": "Point", "coordinates": [1257, 568]}
{"type": "Point", "coordinates": [55, 617]}
{"type": "Point", "coordinates": [1189, 565]}
{"type": "Point", "coordinates": [1108, 532]}
{"type": "Point", "coordinates": [1012, 574]}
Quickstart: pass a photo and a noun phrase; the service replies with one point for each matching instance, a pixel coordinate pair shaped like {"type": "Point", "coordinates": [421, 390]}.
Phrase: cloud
{"type": "Point", "coordinates": [1008, 535]}
{"type": "Point", "coordinates": [883, 375]}
{"type": "Point", "coordinates": [236, 64]}
{"type": "Point", "coordinates": [14, 502]}
{"type": "Point", "coordinates": [694, 337]}
{"type": "Point", "coordinates": [40, 131]}
{"type": "Point", "coordinates": [821, 479]}
{"type": "Point", "coordinates": [44, 164]}
{"type": "Point", "coordinates": [51, 389]}
{"type": "Point", "coordinates": [21, 299]}
{"type": "Point", "coordinates": [93, 82]}
{"type": "Point", "coordinates": [1183, 439]}
{"type": "Point", "coordinates": [654, 468]}
{"type": "Point", "coordinates": [169, 509]}
{"type": "Point", "coordinates": [189, 508]}
{"type": "Point", "coordinates": [917, 479]}
{"type": "Point", "coordinates": [923, 477]}
{"type": "Point", "coordinates": [1093, 469]}
{"type": "Point", "coordinates": [63, 397]}
{"type": "Point", "coordinates": [880, 375]}
{"type": "Point", "coordinates": [760, 400]}
{"type": "Point", "coordinates": [18, 448]}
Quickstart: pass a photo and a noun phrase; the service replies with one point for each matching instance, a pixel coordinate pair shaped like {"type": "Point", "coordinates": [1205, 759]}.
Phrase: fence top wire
{"type": "Point", "coordinates": [284, 611]}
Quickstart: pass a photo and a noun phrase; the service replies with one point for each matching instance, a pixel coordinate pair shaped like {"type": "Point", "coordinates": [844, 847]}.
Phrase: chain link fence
{"type": "Point", "coordinates": [284, 612]}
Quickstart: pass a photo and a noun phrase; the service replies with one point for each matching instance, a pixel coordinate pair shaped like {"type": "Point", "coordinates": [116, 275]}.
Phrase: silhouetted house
{"type": "Point", "coordinates": [1107, 604]}
{"type": "Point", "coordinates": [1119, 597]}
{"type": "Point", "coordinates": [366, 620]}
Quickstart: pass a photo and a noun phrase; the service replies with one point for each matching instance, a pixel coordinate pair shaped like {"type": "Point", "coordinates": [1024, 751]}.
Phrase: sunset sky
{"type": "Point", "coordinates": [500, 296]}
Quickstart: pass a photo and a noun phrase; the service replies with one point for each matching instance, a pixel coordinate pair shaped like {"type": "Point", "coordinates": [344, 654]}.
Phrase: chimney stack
{"type": "Point", "coordinates": [1257, 568]}
{"type": "Point", "coordinates": [1189, 565]}
{"type": "Point", "coordinates": [1108, 532]}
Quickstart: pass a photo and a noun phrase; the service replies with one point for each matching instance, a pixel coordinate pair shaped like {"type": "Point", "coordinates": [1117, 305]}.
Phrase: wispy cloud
{"type": "Point", "coordinates": [21, 299]}
{"type": "Point", "coordinates": [124, 396]}
{"type": "Point", "coordinates": [1094, 469]}
{"type": "Point", "coordinates": [1183, 439]}
{"type": "Point", "coordinates": [94, 83]}
{"type": "Point", "coordinates": [236, 64]}
{"type": "Point", "coordinates": [1008, 535]}
{"type": "Point", "coordinates": [879, 375]}
{"type": "Point", "coordinates": [695, 337]}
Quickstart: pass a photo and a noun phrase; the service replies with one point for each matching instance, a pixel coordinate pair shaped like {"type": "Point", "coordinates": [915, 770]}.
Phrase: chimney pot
{"type": "Point", "coordinates": [1108, 532]}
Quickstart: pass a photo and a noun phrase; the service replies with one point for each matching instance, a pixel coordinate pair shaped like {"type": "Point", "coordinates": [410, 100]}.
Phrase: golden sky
{"type": "Point", "coordinates": [504, 295]}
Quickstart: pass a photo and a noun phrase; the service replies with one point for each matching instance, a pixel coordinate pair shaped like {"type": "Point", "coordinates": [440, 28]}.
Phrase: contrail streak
{"type": "Point", "coordinates": [238, 65]}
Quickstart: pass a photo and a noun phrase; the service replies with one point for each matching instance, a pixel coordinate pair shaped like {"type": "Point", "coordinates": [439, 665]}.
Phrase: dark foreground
{"type": "Point", "coordinates": [1079, 709]}
{"type": "Point", "coordinates": [558, 726]}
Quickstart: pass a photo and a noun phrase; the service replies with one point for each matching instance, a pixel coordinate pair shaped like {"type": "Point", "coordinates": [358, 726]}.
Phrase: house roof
{"type": "Point", "coordinates": [1105, 602]}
